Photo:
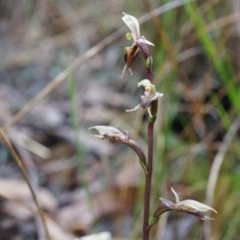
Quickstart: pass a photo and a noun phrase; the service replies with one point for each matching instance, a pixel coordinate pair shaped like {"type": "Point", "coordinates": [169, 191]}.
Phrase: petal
{"type": "Point", "coordinates": [143, 40]}
{"type": "Point", "coordinates": [108, 131]}
{"type": "Point", "coordinates": [193, 206]}
{"type": "Point", "coordinates": [124, 70]}
{"type": "Point", "coordinates": [149, 87]}
{"type": "Point", "coordinates": [152, 98]}
{"type": "Point", "coordinates": [174, 192]}
{"type": "Point", "coordinates": [146, 84]}
{"type": "Point", "coordinates": [146, 100]}
{"type": "Point", "coordinates": [133, 25]}
{"type": "Point", "coordinates": [129, 56]}
{"type": "Point", "coordinates": [167, 203]}
{"type": "Point", "coordinates": [149, 112]}
{"type": "Point", "coordinates": [134, 109]}
{"type": "Point", "coordinates": [158, 94]}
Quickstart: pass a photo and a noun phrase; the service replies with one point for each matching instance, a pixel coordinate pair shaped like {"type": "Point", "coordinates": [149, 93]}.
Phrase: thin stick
{"type": "Point", "coordinates": [23, 170]}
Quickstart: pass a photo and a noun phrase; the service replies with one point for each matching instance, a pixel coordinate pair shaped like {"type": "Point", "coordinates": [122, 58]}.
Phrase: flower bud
{"type": "Point", "coordinates": [115, 135]}
{"type": "Point", "coordinates": [188, 206]}
{"type": "Point", "coordinates": [149, 63]}
{"type": "Point", "coordinates": [108, 132]}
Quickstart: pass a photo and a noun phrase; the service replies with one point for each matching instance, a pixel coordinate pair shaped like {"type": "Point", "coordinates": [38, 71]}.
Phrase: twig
{"type": "Point", "coordinates": [33, 178]}
{"type": "Point", "coordinates": [23, 170]}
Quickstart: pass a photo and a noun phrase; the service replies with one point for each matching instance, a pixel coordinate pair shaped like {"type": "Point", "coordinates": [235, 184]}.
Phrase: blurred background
{"type": "Point", "coordinates": [60, 69]}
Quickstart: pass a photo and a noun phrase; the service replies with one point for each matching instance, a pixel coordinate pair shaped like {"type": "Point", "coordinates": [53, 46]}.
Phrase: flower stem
{"type": "Point", "coordinates": [148, 181]}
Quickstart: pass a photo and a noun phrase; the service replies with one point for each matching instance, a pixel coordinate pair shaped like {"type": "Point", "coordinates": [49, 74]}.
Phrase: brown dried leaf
{"type": "Point", "coordinates": [18, 190]}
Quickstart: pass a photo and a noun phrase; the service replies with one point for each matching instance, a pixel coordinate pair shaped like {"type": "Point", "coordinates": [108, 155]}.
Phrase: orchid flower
{"type": "Point", "coordinates": [189, 206]}
{"type": "Point", "coordinates": [139, 42]}
{"type": "Point", "coordinates": [150, 95]}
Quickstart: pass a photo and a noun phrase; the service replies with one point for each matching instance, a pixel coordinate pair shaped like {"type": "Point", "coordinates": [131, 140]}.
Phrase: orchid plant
{"type": "Point", "coordinates": [149, 102]}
